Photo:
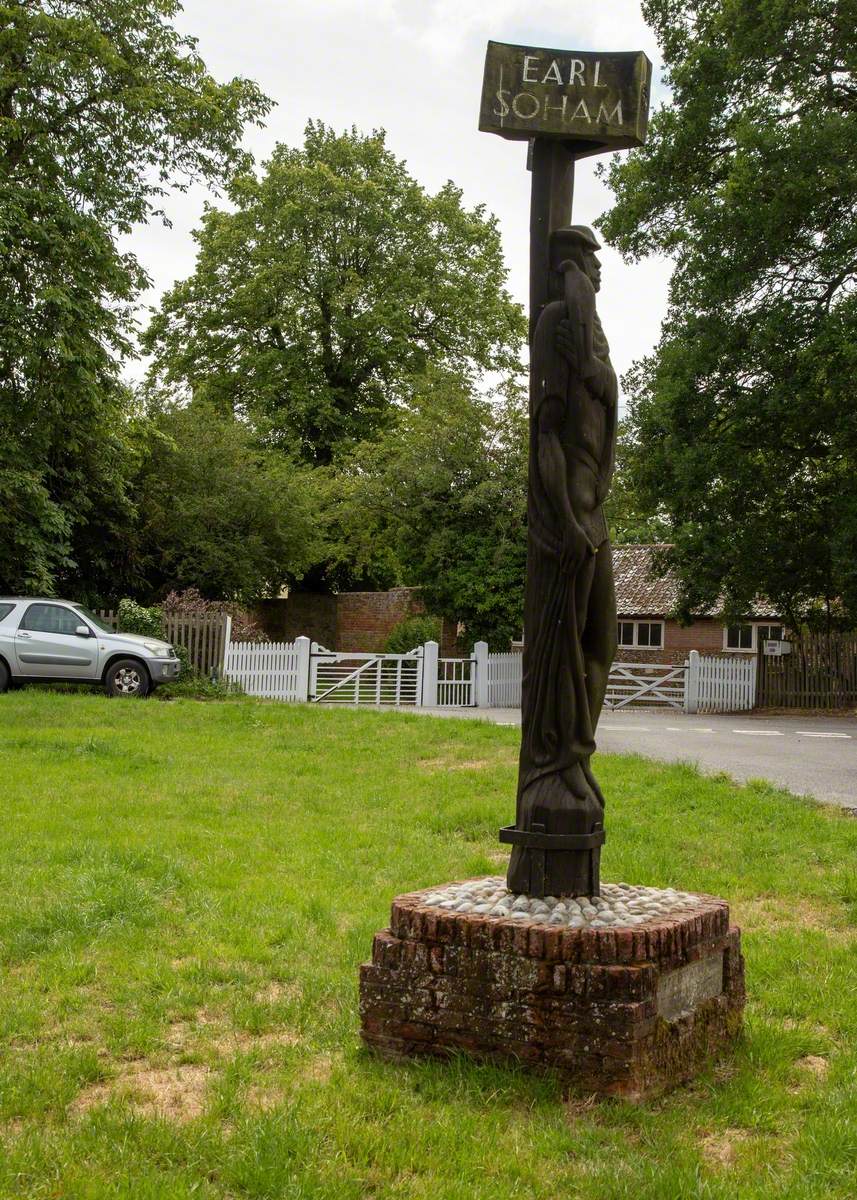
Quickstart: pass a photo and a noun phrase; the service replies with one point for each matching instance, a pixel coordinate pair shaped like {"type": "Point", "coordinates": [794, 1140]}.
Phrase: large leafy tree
{"type": "Point", "coordinates": [103, 106]}
{"type": "Point", "coordinates": [335, 282]}
{"type": "Point", "coordinates": [218, 512]}
{"type": "Point", "coordinates": [744, 417]}
{"type": "Point", "coordinates": [440, 502]}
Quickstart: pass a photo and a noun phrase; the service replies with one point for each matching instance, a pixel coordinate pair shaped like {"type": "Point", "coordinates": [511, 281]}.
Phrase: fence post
{"type": "Point", "coordinates": [227, 641]}
{"type": "Point", "coordinates": [430, 657]}
{"type": "Point", "coordinates": [480, 666]}
{"type": "Point", "coordinates": [691, 687]}
{"type": "Point", "coordinates": [304, 647]}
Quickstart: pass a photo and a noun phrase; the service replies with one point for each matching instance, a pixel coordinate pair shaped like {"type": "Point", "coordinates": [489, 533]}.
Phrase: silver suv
{"type": "Point", "coordinates": [59, 641]}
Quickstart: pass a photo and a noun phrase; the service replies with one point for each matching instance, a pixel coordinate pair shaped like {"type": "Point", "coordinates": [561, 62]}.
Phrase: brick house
{"type": "Point", "coordinates": [644, 600]}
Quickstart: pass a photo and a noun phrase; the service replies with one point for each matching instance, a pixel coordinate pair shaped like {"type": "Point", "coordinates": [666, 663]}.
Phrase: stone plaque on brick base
{"type": "Point", "coordinates": [627, 1005]}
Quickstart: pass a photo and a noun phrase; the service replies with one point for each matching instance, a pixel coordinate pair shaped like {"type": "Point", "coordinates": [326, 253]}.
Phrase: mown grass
{"type": "Point", "coordinates": [186, 891]}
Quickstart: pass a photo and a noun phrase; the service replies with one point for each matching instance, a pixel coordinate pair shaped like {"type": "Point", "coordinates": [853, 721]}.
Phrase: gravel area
{"type": "Point", "coordinates": [619, 905]}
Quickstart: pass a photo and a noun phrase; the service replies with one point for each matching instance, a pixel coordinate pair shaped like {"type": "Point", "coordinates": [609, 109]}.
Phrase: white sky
{"type": "Point", "coordinates": [414, 67]}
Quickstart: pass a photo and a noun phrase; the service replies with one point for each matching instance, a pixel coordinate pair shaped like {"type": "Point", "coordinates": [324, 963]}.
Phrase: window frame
{"type": "Point", "coordinates": [755, 626]}
{"type": "Point", "coordinates": [78, 619]}
{"type": "Point", "coordinates": [637, 622]}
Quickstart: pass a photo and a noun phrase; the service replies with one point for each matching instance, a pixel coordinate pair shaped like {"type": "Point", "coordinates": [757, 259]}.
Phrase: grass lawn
{"type": "Point", "coordinates": [186, 891]}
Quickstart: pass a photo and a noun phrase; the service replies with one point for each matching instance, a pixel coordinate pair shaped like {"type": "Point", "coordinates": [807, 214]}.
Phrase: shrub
{"type": "Point", "coordinates": [135, 618]}
{"type": "Point", "coordinates": [411, 632]}
{"type": "Point", "coordinates": [191, 602]}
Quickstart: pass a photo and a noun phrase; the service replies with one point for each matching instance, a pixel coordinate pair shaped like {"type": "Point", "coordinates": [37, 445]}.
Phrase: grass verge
{"type": "Point", "coordinates": [186, 891]}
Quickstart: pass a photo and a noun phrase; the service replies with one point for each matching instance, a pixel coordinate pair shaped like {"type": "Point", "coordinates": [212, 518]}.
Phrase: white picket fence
{"type": "Point", "coordinates": [504, 680]}
{"type": "Point", "coordinates": [305, 671]}
{"type": "Point", "coordinates": [720, 683]}
{"type": "Point", "coordinates": [273, 670]}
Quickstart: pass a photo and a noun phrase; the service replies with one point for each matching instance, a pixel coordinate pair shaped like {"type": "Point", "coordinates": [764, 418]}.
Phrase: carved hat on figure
{"type": "Point", "coordinates": [572, 242]}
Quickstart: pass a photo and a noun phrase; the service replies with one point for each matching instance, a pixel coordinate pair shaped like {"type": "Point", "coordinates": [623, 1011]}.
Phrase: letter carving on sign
{"type": "Point", "coordinates": [570, 104]}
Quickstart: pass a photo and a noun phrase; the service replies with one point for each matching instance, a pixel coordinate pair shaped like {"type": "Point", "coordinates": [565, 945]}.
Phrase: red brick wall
{"type": "Point", "coordinates": [364, 620]}
{"type": "Point", "coordinates": [360, 621]}
{"type": "Point", "coordinates": [303, 614]}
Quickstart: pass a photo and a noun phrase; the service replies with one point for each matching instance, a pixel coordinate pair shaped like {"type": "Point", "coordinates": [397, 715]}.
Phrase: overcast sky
{"type": "Point", "coordinates": [414, 68]}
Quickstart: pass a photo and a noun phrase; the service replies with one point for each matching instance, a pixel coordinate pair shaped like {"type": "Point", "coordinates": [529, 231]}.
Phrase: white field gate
{"type": "Point", "coordinates": [655, 685]}
{"type": "Point", "coordinates": [349, 678]}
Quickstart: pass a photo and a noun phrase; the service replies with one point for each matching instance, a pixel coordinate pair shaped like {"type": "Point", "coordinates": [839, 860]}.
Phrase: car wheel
{"type": "Point", "coordinates": [127, 677]}
{"type": "Point", "coordinates": [4, 676]}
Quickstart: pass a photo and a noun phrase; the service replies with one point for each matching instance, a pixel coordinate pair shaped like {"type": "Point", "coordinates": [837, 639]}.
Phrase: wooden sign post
{"type": "Point", "coordinates": [567, 104]}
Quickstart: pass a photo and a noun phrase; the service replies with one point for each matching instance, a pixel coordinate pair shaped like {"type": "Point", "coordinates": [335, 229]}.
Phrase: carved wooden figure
{"type": "Point", "coordinates": [570, 606]}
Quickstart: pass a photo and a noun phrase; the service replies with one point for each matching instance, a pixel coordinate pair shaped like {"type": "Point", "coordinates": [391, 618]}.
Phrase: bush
{"type": "Point", "coordinates": [411, 632]}
{"type": "Point", "coordinates": [135, 618]}
{"type": "Point", "coordinates": [191, 602]}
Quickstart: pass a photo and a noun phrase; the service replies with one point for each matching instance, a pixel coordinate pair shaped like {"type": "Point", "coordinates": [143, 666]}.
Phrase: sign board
{"type": "Point", "coordinates": [777, 648]}
{"type": "Point", "coordinates": [601, 100]}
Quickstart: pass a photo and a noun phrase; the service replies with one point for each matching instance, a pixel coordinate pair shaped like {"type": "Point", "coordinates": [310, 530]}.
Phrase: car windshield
{"type": "Point", "coordinates": [93, 620]}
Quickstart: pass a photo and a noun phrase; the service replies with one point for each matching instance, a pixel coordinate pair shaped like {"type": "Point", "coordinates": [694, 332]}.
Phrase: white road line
{"type": "Point", "coordinates": [626, 728]}
{"type": "Point", "coordinates": [807, 733]}
{"type": "Point", "coordinates": [760, 732]}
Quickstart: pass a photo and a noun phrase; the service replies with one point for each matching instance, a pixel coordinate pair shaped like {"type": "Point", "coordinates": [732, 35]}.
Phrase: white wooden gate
{"type": "Point", "coordinates": [456, 678]}
{"type": "Point", "coordinates": [660, 685]}
{"type": "Point", "coordinates": [351, 678]}
{"type": "Point", "coordinates": [721, 683]}
{"type": "Point", "coordinates": [274, 670]}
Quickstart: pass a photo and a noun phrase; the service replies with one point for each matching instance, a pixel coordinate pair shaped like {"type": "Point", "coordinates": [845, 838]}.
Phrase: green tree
{"type": "Point", "coordinates": [440, 502]}
{"type": "Point", "coordinates": [744, 418]}
{"type": "Point", "coordinates": [103, 106]}
{"type": "Point", "coordinates": [219, 513]}
{"type": "Point", "coordinates": [630, 515]}
{"type": "Point", "coordinates": [333, 284]}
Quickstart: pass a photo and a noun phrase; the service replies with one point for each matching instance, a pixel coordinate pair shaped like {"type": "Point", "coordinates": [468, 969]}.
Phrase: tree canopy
{"type": "Point", "coordinates": [440, 502]}
{"type": "Point", "coordinates": [217, 512]}
{"type": "Point", "coordinates": [103, 107]}
{"type": "Point", "coordinates": [332, 286]}
{"type": "Point", "coordinates": [744, 419]}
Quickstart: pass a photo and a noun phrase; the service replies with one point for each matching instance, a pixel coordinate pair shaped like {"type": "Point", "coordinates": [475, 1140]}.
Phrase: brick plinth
{"type": "Point", "coordinates": [626, 1011]}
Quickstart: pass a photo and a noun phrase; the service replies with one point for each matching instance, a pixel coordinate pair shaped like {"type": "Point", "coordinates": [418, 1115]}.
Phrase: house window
{"type": "Point", "coordinates": [750, 636]}
{"type": "Point", "coordinates": [645, 634]}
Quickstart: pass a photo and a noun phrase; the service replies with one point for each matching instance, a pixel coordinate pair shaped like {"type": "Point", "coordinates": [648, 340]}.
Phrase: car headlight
{"type": "Point", "coordinates": [158, 651]}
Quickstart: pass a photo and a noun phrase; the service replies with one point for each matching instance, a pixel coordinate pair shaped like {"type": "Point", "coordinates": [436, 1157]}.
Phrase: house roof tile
{"type": "Point", "coordinates": [643, 592]}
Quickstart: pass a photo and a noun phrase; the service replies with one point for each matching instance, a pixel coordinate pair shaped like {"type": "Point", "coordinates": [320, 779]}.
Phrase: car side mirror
{"type": "Point", "coordinates": [83, 631]}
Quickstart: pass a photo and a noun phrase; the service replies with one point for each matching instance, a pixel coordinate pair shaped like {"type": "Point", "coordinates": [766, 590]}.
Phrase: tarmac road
{"type": "Point", "coordinates": [810, 756]}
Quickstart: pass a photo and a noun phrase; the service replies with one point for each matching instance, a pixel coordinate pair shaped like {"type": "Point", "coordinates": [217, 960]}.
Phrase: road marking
{"type": "Point", "coordinates": [626, 728]}
{"type": "Point", "coordinates": [807, 733]}
{"type": "Point", "coordinates": [760, 732]}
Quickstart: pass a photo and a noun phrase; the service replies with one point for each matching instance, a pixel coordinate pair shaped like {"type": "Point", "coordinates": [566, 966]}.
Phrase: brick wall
{"type": "Point", "coordinates": [309, 614]}
{"type": "Point", "coordinates": [364, 620]}
{"type": "Point", "coordinates": [360, 621]}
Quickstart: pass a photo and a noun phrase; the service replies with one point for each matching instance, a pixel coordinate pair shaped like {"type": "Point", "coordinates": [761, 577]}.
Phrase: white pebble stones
{"type": "Point", "coordinates": [620, 904]}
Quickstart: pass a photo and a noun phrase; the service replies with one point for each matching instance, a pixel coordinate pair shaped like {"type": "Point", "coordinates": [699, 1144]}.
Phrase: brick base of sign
{"type": "Point", "coordinates": [617, 1011]}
